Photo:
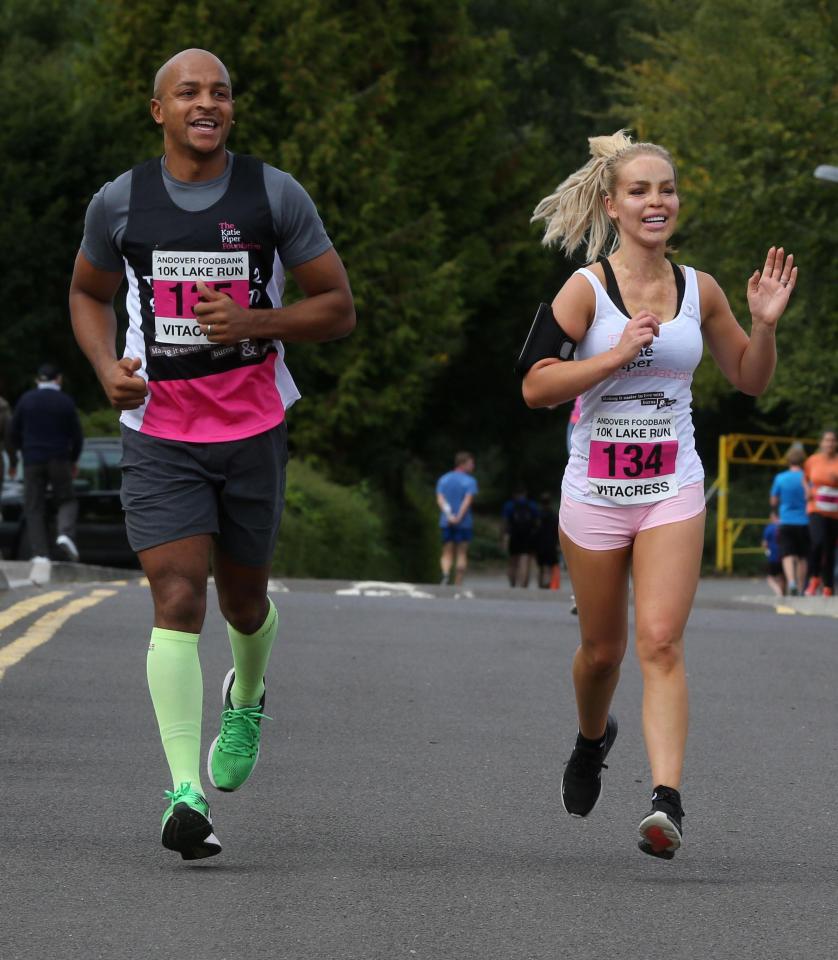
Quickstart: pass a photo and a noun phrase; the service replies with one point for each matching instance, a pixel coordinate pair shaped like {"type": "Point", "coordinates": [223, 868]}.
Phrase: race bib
{"type": "Point", "coordinates": [175, 276]}
{"type": "Point", "coordinates": [632, 458]}
{"type": "Point", "coordinates": [826, 499]}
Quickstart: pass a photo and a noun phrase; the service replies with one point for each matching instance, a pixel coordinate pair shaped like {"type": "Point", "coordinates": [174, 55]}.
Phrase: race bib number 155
{"type": "Point", "coordinates": [175, 281]}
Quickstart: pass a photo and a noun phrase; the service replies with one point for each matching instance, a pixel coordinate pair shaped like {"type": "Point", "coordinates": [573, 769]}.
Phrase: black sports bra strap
{"type": "Point", "coordinates": [616, 297]}
{"type": "Point", "coordinates": [612, 288]}
{"type": "Point", "coordinates": [680, 286]}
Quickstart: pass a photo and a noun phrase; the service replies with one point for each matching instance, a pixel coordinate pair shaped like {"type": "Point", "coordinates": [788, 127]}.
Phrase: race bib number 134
{"type": "Point", "coordinates": [632, 458]}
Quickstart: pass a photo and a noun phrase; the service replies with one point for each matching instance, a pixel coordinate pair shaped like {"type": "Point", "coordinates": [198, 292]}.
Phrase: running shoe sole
{"type": "Point", "coordinates": [611, 728]}
{"type": "Point", "coordinates": [189, 833]}
{"type": "Point", "coordinates": [225, 689]}
{"type": "Point", "coordinates": [659, 836]}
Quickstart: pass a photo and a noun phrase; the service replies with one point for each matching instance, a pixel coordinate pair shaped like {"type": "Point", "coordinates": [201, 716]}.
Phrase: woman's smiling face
{"type": "Point", "coordinates": [644, 203]}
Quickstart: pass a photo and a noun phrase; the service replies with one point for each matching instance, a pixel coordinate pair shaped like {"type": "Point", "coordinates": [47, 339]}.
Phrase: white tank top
{"type": "Point", "coordinates": [634, 442]}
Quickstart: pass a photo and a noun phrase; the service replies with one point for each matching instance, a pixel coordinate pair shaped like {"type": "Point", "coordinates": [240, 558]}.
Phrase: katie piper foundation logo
{"type": "Point", "coordinates": [231, 238]}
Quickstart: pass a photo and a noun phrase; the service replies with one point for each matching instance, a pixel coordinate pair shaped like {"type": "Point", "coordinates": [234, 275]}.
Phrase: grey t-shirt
{"type": "Point", "coordinates": [300, 234]}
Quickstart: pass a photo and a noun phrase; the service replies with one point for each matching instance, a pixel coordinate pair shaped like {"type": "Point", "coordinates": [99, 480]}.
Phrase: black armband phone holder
{"type": "Point", "coordinates": [545, 339]}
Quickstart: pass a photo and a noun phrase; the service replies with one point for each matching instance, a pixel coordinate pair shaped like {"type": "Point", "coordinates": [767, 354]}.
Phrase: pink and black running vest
{"type": "Point", "coordinates": [202, 392]}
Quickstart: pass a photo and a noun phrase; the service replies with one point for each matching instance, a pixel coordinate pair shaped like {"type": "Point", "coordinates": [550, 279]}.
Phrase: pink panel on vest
{"type": "Point", "coordinates": [224, 406]}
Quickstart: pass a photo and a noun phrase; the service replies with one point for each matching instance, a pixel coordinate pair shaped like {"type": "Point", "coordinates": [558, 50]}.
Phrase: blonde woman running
{"type": "Point", "coordinates": [632, 494]}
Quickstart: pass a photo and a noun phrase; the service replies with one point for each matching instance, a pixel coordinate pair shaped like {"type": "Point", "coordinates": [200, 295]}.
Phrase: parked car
{"type": "Point", "coordinates": [100, 533]}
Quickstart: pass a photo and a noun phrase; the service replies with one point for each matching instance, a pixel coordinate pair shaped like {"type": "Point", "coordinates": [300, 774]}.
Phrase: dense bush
{"type": "Point", "coordinates": [100, 423]}
{"type": "Point", "coordinates": [330, 531]}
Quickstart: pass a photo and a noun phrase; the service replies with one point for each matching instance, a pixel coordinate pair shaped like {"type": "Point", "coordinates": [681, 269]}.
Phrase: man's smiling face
{"type": "Point", "coordinates": [193, 103]}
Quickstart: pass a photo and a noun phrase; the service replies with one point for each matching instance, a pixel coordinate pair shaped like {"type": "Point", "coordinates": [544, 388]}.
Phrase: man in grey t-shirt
{"type": "Point", "coordinates": [203, 237]}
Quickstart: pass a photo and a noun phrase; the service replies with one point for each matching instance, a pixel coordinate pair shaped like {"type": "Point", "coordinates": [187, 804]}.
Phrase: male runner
{"type": "Point", "coordinates": [203, 237]}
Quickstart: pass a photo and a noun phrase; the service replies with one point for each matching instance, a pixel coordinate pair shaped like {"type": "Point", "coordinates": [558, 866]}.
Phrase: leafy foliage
{"type": "Point", "coordinates": [330, 531]}
{"type": "Point", "coordinates": [746, 98]}
{"type": "Point", "coordinates": [44, 144]}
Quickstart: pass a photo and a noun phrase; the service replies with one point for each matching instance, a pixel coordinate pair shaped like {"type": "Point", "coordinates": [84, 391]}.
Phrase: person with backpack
{"type": "Point", "coordinates": [546, 542]}
{"type": "Point", "coordinates": [520, 516]}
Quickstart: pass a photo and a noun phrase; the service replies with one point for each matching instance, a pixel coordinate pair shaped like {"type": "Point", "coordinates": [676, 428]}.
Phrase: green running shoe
{"type": "Point", "coordinates": [234, 752]}
{"type": "Point", "coordinates": [187, 826]}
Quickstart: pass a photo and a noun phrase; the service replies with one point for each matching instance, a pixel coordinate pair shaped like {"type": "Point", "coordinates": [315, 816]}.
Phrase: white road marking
{"type": "Point", "coordinates": [381, 588]}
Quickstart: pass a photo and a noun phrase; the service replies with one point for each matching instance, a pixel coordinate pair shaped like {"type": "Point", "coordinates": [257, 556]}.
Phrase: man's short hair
{"type": "Point", "coordinates": [796, 455]}
{"type": "Point", "coordinates": [462, 457]}
{"type": "Point", "coordinates": [47, 372]}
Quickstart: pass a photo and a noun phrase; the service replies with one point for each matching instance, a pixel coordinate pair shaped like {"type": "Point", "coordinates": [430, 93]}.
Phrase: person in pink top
{"type": "Point", "coordinates": [632, 493]}
{"type": "Point", "coordinates": [204, 238]}
{"type": "Point", "coordinates": [573, 419]}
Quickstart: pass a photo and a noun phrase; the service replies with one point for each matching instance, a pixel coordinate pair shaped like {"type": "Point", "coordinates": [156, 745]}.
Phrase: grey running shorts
{"type": "Point", "coordinates": [234, 491]}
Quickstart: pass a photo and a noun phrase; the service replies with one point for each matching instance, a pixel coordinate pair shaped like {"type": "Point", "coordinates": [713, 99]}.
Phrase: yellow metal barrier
{"type": "Point", "coordinates": [733, 530]}
{"type": "Point", "coordinates": [757, 450]}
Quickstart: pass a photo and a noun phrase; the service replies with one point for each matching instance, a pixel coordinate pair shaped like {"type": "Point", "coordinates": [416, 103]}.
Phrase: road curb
{"type": "Point", "coordinates": [18, 573]}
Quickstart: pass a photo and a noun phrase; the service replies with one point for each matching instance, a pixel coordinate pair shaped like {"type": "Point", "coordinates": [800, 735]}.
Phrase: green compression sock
{"type": "Point", "coordinates": [250, 659]}
{"type": "Point", "coordinates": [177, 692]}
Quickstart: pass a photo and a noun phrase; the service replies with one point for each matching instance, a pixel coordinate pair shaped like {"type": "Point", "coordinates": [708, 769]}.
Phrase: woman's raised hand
{"type": "Point", "coordinates": [769, 290]}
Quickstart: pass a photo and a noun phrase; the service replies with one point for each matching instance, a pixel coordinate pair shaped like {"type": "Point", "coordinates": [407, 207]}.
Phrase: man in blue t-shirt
{"type": "Point", "coordinates": [455, 492]}
{"type": "Point", "coordinates": [788, 497]}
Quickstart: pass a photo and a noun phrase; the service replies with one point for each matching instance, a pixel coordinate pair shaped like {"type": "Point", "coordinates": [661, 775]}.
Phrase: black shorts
{"type": "Point", "coordinates": [773, 568]}
{"type": "Point", "coordinates": [519, 544]}
{"type": "Point", "coordinates": [793, 540]}
{"type": "Point", "coordinates": [234, 491]}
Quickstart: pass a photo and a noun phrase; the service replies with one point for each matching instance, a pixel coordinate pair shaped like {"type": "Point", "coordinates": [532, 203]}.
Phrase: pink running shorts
{"type": "Point", "coordinates": [595, 527]}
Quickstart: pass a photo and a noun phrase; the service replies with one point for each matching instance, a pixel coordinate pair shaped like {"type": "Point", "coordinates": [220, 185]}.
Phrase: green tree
{"type": "Point", "coordinates": [746, 98]}
{"type": "Point", "coordinates": [43, 141]}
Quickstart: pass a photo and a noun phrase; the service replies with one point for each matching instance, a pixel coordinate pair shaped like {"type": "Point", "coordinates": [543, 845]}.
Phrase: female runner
{"type": "Point", "coordinates": [632, 493]}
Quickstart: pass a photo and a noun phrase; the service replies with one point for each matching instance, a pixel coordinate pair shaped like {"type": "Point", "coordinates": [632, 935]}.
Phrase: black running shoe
{"type": "Point", "coordinates": [187, 825]}
{"type": "Point", "coordinates": [581, 784]}
{"type": "Point", "coordinates": [660, 831]}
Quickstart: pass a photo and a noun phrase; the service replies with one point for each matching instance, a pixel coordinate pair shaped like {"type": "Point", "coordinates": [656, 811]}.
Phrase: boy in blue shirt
{"type": "Point", "coordinates": [788, 497]}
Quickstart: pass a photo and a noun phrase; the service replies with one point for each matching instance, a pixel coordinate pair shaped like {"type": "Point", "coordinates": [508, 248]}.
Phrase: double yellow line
{"type": "Point", "coordinates": [45, 627]}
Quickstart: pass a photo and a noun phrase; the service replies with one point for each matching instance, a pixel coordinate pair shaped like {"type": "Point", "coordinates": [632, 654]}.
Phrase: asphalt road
{"type": "Point", "coordinates": [406, 803]}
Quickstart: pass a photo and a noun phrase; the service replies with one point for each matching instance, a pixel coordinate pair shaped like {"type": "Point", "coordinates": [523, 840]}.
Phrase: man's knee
{"type": "Point", "coordinates": [245, 614]}
{"type": "Point", "coordinates": [179, 603]}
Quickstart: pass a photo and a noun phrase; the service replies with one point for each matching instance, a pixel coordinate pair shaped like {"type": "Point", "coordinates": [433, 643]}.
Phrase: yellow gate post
{"type": "Point", "coordinates": [721, 517]}
{"type": "Point", "coordinates": [752, 449]}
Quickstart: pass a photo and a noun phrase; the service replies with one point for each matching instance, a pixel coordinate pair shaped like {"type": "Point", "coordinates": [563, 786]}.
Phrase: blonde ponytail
{"type": "Point", "coordinates": [576, 211]}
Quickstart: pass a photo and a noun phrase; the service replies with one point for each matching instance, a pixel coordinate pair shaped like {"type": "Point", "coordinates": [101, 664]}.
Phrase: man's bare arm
{"type": "Point", "coordinates": [326, 313]}
{"type": "Point", "coordinates": [94, 325]}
